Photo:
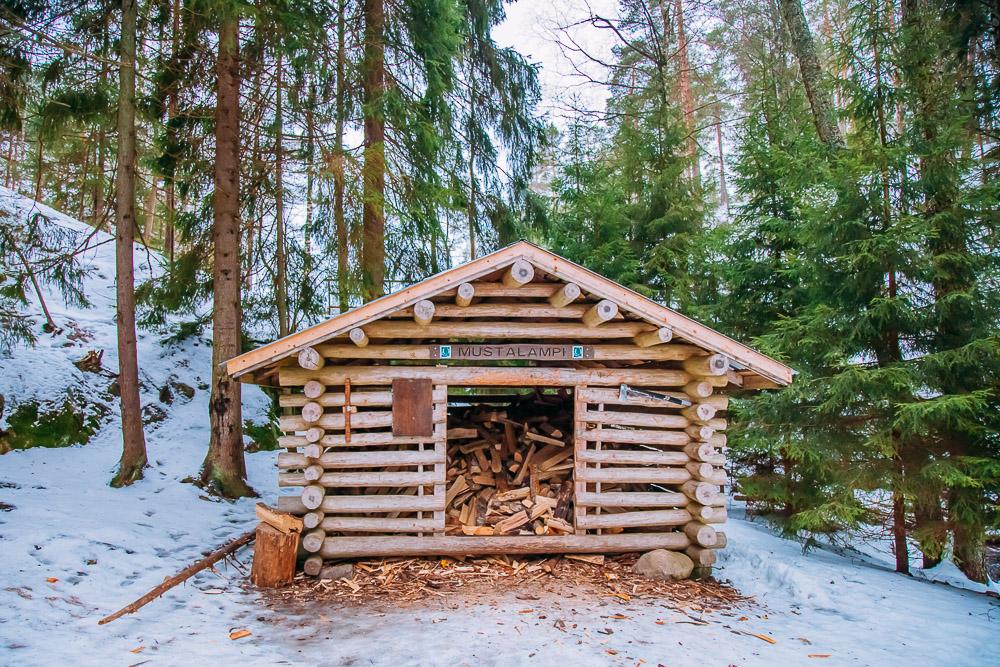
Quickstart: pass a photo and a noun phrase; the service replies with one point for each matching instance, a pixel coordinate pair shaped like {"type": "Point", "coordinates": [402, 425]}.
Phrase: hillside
{"type": "Point", "coordinates": [73, 550]}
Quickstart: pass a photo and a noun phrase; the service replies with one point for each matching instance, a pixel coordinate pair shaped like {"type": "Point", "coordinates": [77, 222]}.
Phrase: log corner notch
{"type": "Point", "coordinates": [276, 548]}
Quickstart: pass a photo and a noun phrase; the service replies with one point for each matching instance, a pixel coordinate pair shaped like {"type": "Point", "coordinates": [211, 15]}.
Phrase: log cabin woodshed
{"type": "Point", "coordinates": [518, 403]}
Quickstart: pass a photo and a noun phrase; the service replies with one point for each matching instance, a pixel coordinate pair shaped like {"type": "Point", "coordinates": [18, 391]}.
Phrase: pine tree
{"type": "Point", "coordinates": [133, 458]}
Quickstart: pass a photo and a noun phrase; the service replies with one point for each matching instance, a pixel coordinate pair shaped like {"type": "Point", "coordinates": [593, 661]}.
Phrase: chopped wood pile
{"type": "Point", "coordinates": [515, 478]}
{"type": "Point", "coordinates": [399, 581]}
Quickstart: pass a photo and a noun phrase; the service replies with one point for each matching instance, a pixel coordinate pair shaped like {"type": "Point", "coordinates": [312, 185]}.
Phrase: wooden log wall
{"type": "Point", "coordinates": [355, 477]}
{"type": "Point", "coordinates": [641, 465]}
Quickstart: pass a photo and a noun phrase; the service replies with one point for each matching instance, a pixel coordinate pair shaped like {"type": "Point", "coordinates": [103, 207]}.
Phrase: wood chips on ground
{"type": "Point", "coordinates": [407, 580]}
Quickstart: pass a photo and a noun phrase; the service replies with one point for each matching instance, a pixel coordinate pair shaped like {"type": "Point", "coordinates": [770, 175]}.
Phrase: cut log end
{"type": "Point", "coordinates": [313, 389]}
{"type": "Point", "coordinates": [464, 294]}
{"type": "Point", "coordinates": [654, 337]}
{"type": "Point", "coordinates": [358, 336]}
{"type": "Point", "coordinates": [423, 312]}
{"type": "Point", "coordinates": [519, 273]}
{"type": "Point", "coordinates": [310, 359]}
{"type": "Point", "coordinates": [600, 312]}
{"type": "Point", "coordinates": [566, 295]}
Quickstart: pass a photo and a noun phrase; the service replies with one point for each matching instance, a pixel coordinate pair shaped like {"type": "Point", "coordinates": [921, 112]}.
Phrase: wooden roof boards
{"type": "Point", "coordinates": [628, 301]}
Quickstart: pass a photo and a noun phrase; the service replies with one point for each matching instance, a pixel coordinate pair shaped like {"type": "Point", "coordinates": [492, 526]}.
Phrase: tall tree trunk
{"type": "Point", "coordinates": [224, 470]}
{"type": "Point", "coordinates": [373, 171]}
{"type": "Point", "coordinates": [281, 256]}
{"type": "Point", "coordinates": [723, 187]}
{"type": "Point", "coordinates": [307, 229]}
{"type": "Point", "coordinates": [134, 440]}
{"type": "Point", "coordinates": [171, 202]}
{"type": "Point", "coordinates": [471, 212]}
{"type": "Point", "coordinates": [687, 98]}
{"type": "Point", "coordinates": [40, 170]}
{"type": "Point", "coordinates": [812, 74]}
{"type": "Point", "coordinates": [339, 165]}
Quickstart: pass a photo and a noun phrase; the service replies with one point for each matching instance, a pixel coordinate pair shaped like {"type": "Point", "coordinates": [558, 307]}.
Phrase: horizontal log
{"type": "Point", "coordinates": [520, 273]}
{"type": "Point", "coordinates": [455, 545]}
{"type": "Point", "coordinates": [565, 295]}
{"type": "Point", "coordinates": [333, 480]}
{"type": "Point", "coordinates": [655, 337]}
{"type": "Point", "coordinates": [504, 330]}
{"type": "Point", "coordinates": [495, 289]}
{"type": "Point", "coordinates": [486, 376]}
{"type": "Point", "coordinates": [703, 492]}
{"type": "Point", "coordinates": [701, 534]}
{"type": "Point", "coordinates": [334, 504]}
{"type": "Point", "coordinates": [708, 365]}
{"type": "Point", "coordinates": [601, 352]}
{"type": "Point", "coordinates": [312, 495]}
{"type": "Point", "coordinates": [372, 439]}
{"type": "Point", "coordinates": [701, 556]}
{"type": "Point", "coordinates": [629, 457]}
{"type": "Point", "coordinates": [505, 310]}
{"type": "Point", "coordinates": [361, 399]}
{"type": "Point", "coordinates": [354, 459]}
{"type": "Point", "coordinates": [313, 540]}
{"type": "Point", "coordinates": [704, 451]}
{"type": "Point", "coordinates": [380, 525]}
{"type": "Point", "coordinates": [636, 436]}
{"type": "Point", "coordinates": [310, 359]}
{"type": "Point", "coordinates": [634, 475]}
{"type": "Point", "coordinates": [334, 420]}
{"type": "Point", "coordinates": [633, 419]}
{"type": "Point", "coordinates": [612, 397]}
{"type": "Point", "coordinates": [423, 312]}
{"type": "Point", "coordinates": [632, 499]}
{"type": "Point", "coordinates": [676, 517]}
{"type": "Point", "coordinates": [464, 294]}
{"type": "Point", "coordinates": [358, 336]}
{"type": "Point", "coordinates": [708, 513]}
{"type": "Point", "coordinates": [602, 311]}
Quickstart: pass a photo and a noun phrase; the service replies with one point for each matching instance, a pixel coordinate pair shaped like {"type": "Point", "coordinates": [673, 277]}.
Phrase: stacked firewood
{"type": "Point", "coordinates": [515, 478]}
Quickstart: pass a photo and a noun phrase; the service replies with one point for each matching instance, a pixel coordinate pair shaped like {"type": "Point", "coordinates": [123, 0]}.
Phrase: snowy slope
{"type": "Point", "coordinates": [106, 547]}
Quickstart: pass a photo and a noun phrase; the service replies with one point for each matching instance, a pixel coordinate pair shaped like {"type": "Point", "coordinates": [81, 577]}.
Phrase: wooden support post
{"type": "Point", "coordinates": [358, 336]}
{"type": "Point", "coordinates": [600, 312]}
{"type": "Point", "coordinates": [464, 294]}
{"type": "Point", "coordinates": [423, 312]}
{"type": "Point", "coordinates": [566, 295]}
{"type": "Point", "coordinates": [519, 273]}
{"type": "Point", "coordinates": [655, 337]}
{"type": "Point", "coordinates": [273, 557]}
{"type": "Point", "coordinates": [310, 359]}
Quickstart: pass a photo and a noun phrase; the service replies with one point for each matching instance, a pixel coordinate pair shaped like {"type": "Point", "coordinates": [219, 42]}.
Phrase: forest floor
{"type": "Point", "coordinates": [73, 550]}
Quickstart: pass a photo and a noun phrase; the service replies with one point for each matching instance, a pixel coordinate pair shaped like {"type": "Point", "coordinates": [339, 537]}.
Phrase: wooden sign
{"type": "Point", "coordinates": [516, 351]}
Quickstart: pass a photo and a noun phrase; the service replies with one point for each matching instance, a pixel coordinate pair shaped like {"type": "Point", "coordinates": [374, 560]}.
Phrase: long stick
{"type": "Point", "coordinates": [183, 575]}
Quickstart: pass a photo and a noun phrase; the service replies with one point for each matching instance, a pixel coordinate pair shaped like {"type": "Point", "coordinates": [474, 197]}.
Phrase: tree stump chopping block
{"type": "Point", "coordinates": [274, 557]}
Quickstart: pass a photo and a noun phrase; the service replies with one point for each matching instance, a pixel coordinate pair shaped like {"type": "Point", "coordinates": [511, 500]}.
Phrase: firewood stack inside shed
{"type": "Point", "coordinates": [515, 476]}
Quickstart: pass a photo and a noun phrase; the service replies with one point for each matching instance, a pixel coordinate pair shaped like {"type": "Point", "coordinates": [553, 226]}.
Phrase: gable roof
{"type": "Point", "coordinates": [542, 260]}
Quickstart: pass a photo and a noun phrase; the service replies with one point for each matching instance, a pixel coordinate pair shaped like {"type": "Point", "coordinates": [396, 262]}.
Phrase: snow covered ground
{"type": "Point", "coordinates": [72, 550]}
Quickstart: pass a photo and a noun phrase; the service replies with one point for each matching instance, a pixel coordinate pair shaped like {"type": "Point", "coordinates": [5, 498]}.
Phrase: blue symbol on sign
{"type": "Point", "coordinates": [445, 352]}
{"type": "Point", "coordinates": [578, 351]}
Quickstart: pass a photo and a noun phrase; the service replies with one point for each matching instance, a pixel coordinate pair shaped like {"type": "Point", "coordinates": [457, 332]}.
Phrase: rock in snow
{"type": "Point", "coordinates": [664, 565]}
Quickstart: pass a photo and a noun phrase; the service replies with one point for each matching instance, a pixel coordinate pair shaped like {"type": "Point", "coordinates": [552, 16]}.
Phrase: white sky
{"type": "Point", "coordinates": [536, 28]}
